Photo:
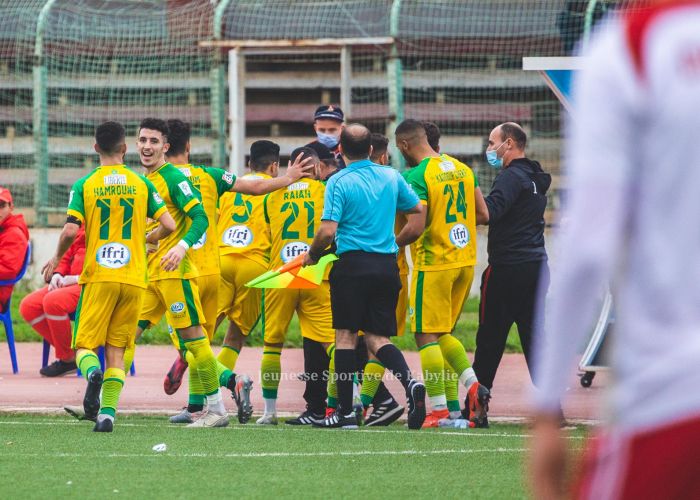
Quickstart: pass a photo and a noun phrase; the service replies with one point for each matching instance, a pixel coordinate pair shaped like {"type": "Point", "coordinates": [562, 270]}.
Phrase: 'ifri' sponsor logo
{"type": "Point", "coordinates": [113, 255]}
{"type": "Point", "coordinates": [238, 236]}
{"type": "Point", "coordinates": [290, 251]}
{"type": "Point", "coordinates": [459, 235]}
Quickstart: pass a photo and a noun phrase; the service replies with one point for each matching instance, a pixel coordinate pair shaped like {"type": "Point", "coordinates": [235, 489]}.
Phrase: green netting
{"type": "Point", "coordinates": [460, 66]}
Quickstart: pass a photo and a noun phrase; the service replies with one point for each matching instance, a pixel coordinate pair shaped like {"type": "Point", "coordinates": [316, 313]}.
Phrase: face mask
{"type": "Point", "coordinates": [492, 157]}
{"type": "Point", "coordinates": [328, 140]}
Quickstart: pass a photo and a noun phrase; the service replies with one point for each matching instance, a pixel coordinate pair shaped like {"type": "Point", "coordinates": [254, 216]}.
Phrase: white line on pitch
{"type": "Point", "coordinates": [269, 454]}
{"type": "Point", "coordinates": [465, 433]}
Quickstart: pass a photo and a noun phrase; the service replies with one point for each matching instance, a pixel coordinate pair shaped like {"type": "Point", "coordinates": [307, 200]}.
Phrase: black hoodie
{"type": "Point", "coordinates": [516, 206]}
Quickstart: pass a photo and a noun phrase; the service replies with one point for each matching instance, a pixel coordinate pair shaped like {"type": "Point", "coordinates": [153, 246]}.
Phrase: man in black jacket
{"type": "Point", "coordinates": [517, 257]}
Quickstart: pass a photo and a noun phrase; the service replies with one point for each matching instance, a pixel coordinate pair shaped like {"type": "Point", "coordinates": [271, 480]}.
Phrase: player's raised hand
{"type": "Point", "coordinates": [172, 259]}
{"type": "Point", "coordinates": [300, 168]}
{"type": "Point", "coordinates": [49, 268]}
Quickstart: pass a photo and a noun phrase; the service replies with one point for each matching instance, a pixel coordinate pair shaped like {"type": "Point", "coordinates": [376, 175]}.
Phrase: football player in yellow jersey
{"type": "Point", "coordinates": [208, 184]}
{"type": "Point", "coordinates": [292, 215]}
{"type": "Point", "coordinates": [244, 246]}
{"type": "Point", "coordinates": [444, 265]}
{"type": "Point", "coordinates": [112, 202]}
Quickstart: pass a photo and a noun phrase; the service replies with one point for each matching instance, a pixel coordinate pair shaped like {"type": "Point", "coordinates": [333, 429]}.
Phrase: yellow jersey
{"type": "Point", "coordinates": [211, 183]}
{"type": "Point", "coordinates": [446, 186]}
{"type": "Point", "coordinates": [293, 214]}
{"type": "Point", "coordinates": [113, 202]}
{"type": "Point", "coordinates": [179, 197]}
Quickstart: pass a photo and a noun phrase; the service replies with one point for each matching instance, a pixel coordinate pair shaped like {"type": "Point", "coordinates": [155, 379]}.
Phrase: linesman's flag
{"type": "Point", "coordinates": [293, 275]}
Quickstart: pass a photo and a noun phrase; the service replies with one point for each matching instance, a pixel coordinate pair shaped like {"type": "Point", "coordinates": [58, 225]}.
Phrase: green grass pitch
{"type": "Point", "coordinates": [55, 456]}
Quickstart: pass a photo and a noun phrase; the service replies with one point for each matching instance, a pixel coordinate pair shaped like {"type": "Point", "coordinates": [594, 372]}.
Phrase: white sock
{"type": "Point", "coordinates": [438, 402]}
{"type": "Point", "coordinates": [454, 415]}
{"type": "Point", "coordinates": [101, 417]}
{"type": "Point", "coordinates": [215, 403]}
{"type": "Point", "coordinates": [468, 377]}
{"type": "Point", "coordinates": [270, 406]}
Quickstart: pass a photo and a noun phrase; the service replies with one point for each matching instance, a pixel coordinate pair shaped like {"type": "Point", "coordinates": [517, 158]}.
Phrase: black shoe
{"type": "Point", "coordinates": [106, 425]}
{"type": "Point", "coordinates": [477, 403]}
{"type": "Point", "coordinates": [308, 418]}
{"type": "Point", "coordinates": [416, 404]}
{"type": "Point", "coordinates": [59, 368]}
{"type": "Point", "coordinates": [336, 421]}
{"type": "Point", "coordinates": [91, 401]}
{"type": "Point", "coordinates": [384, 414]}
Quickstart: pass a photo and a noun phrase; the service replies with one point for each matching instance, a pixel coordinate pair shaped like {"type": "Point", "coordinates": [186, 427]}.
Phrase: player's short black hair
{"type": "Point", "coordinates": [510, 130]}
{"type": "Point", "coordinates": [178, 136]}
{"type": "Point", "coordinates": [262, 154]}
{"type": "Point", "coordinates": [322, 151]}
{"type": "Point", "coordinates": [432, 131]}
{"type": "Point", "coordinates": [304, 151]}
{"type": "Point", "coordinates": [380, 144]}
{"type": "Point", "coordinates": [109, 136]}
{"type": "Point", "coordinates": [410, 129]}
{"type": "Point", "coordinates": [156, 124]}
{"type": "Point", "coordinates": [355, 139]}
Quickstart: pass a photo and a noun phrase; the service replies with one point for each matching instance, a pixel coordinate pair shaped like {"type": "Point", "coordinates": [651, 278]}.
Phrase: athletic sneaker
{"type": "Point", "coordinates": [267, 419]}
{"type": "Point", "coordinates": [329, 411]}
{"type": "Point", "coordinates": [103, 425]}
{"type": "Point", "coordinates": [210, 419]}
{"type": "Point", "coordinates": [186, 416]}
{"type": "Point", "coordinates": [173, 379]}
{"type": "Point", "coordinates": [415, 397]}
{"type": "Point", "coordinates": [309, 418]}
{"type": "Point", "coordinates": [337, 421]}
{"type": "Point", "coordinates": [477, 402]}
{"type": "Point", "coordinates": [384, 414]}
{"type": "Point", "coordinates": [432, 419]}
{"type": "Point", "coordinates": [91, 401]}
{"type": "Point", "coordinates": [59, 368]}
{"type": "Point", "coordinates": [241, 395]}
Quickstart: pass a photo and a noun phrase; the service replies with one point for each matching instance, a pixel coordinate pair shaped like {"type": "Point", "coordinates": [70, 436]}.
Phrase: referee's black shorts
{"type": "Point", "coordinates": [364, 292]}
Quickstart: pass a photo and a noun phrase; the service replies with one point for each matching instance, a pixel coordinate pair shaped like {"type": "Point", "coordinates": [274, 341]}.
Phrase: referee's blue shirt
{"type": "Point", "coordinates": [363, 199]}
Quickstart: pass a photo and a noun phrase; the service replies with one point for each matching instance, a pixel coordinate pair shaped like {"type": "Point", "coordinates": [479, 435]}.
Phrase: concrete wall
{"type": "Point", "coordinates": [44, 243]}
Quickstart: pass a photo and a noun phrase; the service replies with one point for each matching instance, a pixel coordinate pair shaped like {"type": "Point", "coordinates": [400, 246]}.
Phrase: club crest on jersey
{"type": "Point", "coordinates": [459, 235]}
{"type": "Point", "coordinates": [200, 242]}
{"type": "Point", "coordinates": [290, 251]}
{"type": "Point", "coordinates": [177, 307]}
{"type": "Point", "coordinates": [186, 171]}
{"type": "Point", "coordinates": [113, 255]}
{"type": "Point", "coordinates": [114, 179]}
{"type": "Point", "coordinates": [228, 178]}
{"type": "Point", "coordinates": [185, 188]}
{"type": "Point", "coordinates": [238, 236]}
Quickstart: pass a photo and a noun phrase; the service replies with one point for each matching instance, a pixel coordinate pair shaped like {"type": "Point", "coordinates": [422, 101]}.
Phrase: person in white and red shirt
{"type": "Point", "coordinates": [634, 179]}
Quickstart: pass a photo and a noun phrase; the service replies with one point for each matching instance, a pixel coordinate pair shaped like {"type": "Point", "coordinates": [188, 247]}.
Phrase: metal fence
{"type": "Point", "coordinates": [67, 65]}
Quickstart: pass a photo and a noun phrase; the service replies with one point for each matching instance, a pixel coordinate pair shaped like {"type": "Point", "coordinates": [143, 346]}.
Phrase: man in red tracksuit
{"type": "Point", "coordinates": [14, 238]}
{"type": "Point", "coordinates": [47, 309]}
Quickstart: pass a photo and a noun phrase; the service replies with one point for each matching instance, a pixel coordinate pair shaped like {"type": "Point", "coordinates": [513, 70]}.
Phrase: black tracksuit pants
{"type": "Point", "coordinates": [508, 295]}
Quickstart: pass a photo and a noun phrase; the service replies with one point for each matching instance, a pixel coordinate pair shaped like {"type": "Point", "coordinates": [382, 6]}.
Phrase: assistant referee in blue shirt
{"type": "Point", "coordinates": [360, 205]}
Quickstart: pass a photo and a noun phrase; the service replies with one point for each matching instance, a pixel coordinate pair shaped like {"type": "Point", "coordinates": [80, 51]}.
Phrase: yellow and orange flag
{"type": "Point", "coordinates": [293, 275]}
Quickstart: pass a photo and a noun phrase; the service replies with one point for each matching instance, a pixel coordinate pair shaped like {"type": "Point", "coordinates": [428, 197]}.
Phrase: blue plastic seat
{"type": "Point", "coordinates": [6, 317]}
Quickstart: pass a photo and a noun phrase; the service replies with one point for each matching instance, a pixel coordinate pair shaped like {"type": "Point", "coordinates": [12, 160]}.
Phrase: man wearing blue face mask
{"type": "Point", "coordinates": [329, 121]}
{"type": "Point", "coordinates": [517, 256]}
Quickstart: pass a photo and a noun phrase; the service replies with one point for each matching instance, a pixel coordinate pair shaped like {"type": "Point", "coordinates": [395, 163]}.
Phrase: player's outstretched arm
{"type": "Point", "coordinates": [295, 171]}
{"type": "Point", "coordinates": [70, 231]}
{"type": "Point", "coordinates": [482, 211]}
{"type": "Point", "coordinates": [323, 239]}
{"type": "Point", "coordinates": [415, 225]}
